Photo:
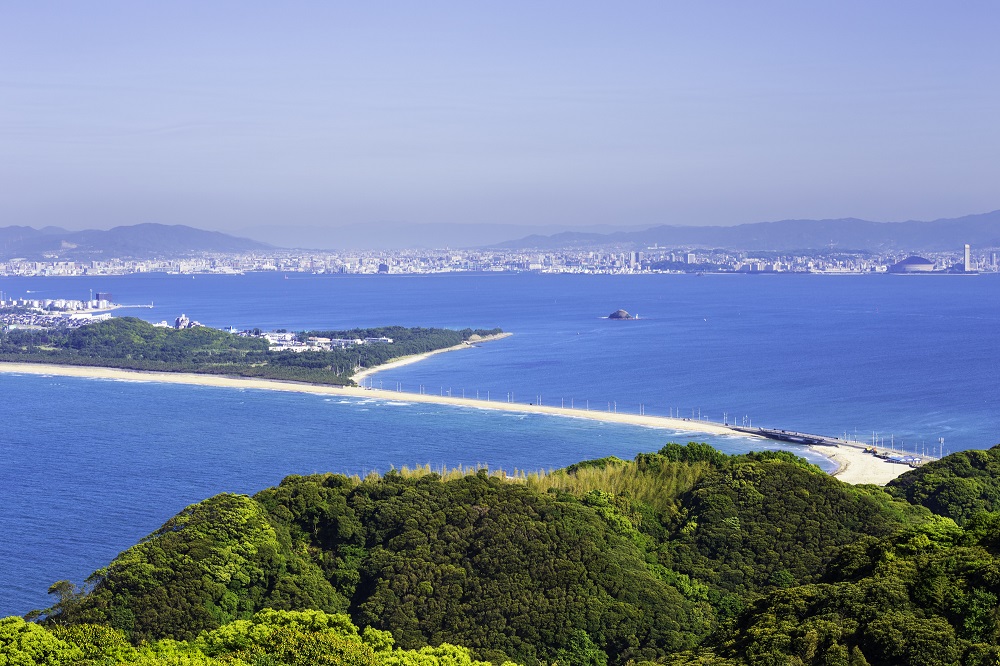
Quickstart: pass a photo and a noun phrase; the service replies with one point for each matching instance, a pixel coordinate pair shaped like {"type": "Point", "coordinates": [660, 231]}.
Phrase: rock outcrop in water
{"type": "Point", "coordinates": [620, 314]}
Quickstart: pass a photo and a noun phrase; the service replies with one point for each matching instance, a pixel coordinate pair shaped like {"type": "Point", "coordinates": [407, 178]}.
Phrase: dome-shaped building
{"type": "Point", "coordinates": [912, 264]}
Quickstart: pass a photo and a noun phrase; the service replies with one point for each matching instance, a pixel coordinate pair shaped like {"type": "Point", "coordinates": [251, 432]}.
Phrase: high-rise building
{"type": "Point", "coordinates": [968, 259]}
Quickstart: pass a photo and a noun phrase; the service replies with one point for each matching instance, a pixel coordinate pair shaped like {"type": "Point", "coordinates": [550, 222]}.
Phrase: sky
{"type": "Point", "coordinates": [235, 115]}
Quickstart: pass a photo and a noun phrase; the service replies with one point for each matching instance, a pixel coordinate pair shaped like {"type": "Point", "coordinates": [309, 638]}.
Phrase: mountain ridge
{"type": "Point", "coordinates": [981, 229]}
{"type": "Point", "coordinates": [137, 241]}
{"type": "Point", "coordinates": [154, 240]}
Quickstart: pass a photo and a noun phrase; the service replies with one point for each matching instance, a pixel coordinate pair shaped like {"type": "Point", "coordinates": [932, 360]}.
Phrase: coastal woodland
{"type": "Point", "coordinates": [130, 343]}
{"type": "Point", "coordinates": [684, 556]}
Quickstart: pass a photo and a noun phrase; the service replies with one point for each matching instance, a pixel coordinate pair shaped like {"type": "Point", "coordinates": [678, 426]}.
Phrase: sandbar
{"type": "Point", "coordinates": [223, 381]}
{"type": "Point", "coordinates": [855, 466]}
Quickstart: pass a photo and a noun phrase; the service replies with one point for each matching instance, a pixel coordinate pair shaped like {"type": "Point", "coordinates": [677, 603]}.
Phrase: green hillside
{"type": "Point", "coordinates": [959, 486]}
{"type": "Point", "coordinates": [684, 556]}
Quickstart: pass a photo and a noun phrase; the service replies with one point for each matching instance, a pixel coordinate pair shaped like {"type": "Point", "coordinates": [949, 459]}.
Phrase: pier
{"type": "Point", "coordinates": [791, 436]}
{"type": "Point", "coordinates": [610, 410]}
{"type": "Point", "coordinates": [808, 439]}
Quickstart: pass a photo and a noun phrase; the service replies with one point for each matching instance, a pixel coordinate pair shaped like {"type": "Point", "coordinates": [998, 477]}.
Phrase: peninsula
{"type": "Point", "coordinates": [318, 357]}
{"type": "Point", "coordinates": [325, 362]}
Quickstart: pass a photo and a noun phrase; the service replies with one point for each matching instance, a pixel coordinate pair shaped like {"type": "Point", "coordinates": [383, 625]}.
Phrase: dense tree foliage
{"type": "Point", "coordinates": [127, 342]}
{"type": "Point", "coordinates": [216, 561]}
{"type": "Point", "coordinates": [513, 572]}
{"type": "Point", "coordinates": [686, 555]}
{"type": "Point", "coordinates": [268, 638]}
{"type": "Point", "coordinates": [959, 486]}
{"type": "Point", "coordinates": [764, 521]}
{"type": "Point", "coordinates": [739, 525]}
{"type": "Point", "coordinates": [926, 596]}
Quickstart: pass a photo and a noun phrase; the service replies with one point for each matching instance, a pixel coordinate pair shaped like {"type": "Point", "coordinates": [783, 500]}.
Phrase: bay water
{"type": "Point", "coordinates": [87, 467]}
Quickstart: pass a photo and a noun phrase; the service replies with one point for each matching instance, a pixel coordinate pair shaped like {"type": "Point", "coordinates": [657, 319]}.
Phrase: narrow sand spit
{"type": "Point", "coordinates": [856, 466]}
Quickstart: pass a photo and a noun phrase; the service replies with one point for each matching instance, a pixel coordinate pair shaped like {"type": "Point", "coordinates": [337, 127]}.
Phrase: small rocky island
{"type": "Point", "coordinates": [620, 314]}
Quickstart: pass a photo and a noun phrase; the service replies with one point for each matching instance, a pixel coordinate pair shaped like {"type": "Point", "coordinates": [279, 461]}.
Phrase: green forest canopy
{"type": "Point", "coordinates": [295, 638]}
{"type": "Point", "coordinates": [684, 556]}
{"type": "Point", "coordinates": [959, 486]}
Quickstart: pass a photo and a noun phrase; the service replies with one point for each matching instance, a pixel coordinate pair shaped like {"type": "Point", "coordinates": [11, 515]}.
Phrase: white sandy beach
{"type": "Point", "coordinates": [223, 381]}
{"type": "Point", "coordinates": [413, 358]}
{"type": "Point", "coordinates": [855, 465]}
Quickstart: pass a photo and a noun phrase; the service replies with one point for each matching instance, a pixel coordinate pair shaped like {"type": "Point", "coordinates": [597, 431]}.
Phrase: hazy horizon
{"type": "Point", "coordinates": [238, 116]}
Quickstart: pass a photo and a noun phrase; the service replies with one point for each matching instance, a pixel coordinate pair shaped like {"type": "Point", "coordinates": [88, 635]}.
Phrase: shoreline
{"type": "Point", "coordinates": [224, 381]}
{"type": "Point", "coordinates": [855, 466]}
{"type": "Point", "coordinates": [414, 358]}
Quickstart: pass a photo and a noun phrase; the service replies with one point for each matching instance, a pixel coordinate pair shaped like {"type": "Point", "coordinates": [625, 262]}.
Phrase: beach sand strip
{"type": "Point", "coordinates": [855, 466]}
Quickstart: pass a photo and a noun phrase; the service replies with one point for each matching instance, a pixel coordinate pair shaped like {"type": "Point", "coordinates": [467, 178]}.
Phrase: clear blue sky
{"type": "Point", "coordinates": [227, 115]}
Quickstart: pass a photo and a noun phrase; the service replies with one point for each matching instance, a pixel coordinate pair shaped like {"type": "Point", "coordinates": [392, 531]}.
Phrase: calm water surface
{"type": "Point", "coordinates": [90, 466]}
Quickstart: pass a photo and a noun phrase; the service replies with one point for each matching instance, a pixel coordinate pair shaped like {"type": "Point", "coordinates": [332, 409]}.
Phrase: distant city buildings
{"type": "Point", "coordinates": [586, 261]}
{"type": "Point", "coordinates": [34, 313]}
{"type": "Point", "coordinates": [284, 341]}
{"type": "Point", "coordinates": [58, 304]}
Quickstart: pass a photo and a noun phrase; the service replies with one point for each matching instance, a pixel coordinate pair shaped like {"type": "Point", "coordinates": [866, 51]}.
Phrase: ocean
{"type": "Point", "coordinates": [91, 466]}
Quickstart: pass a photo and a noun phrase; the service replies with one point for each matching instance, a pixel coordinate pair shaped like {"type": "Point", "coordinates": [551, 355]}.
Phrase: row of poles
{"type": "Point", "coordinates": [509, 397]}
{"type": "Point", "coordinates": [612, 407]}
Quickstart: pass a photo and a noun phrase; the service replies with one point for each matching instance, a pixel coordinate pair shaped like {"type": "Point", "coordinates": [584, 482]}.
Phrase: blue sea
{"type": "Point", "coordinates": [91, 466]}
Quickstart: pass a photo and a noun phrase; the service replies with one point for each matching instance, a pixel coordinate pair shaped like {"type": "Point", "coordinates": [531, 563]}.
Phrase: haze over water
{"type": "Point", "coordinates": [91, 466]}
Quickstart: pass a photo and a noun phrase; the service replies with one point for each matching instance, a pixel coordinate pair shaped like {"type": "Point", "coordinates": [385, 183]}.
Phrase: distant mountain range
{"type": "Point", "coordinates": [844, 234]}
{"type": "Point", "coordinates": [139, 241]}
{"type": "Point", "coordinates": [146, 241]}
{"type": "Point", "coordinates": [406, 236]}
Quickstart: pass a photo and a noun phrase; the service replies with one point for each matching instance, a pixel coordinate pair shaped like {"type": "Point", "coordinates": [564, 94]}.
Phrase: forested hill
{"type": "Point", "coordinates": [127, 342]}
{"type": "Point", "coordinates": [684, 556]}
{"type": "Point", "coordinates": [960, 486]}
